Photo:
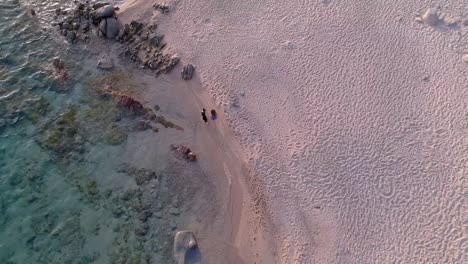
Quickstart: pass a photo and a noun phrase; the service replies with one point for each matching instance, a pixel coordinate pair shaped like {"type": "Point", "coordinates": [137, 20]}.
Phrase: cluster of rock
{"type": "Point", "coordinates": [141, 44]}
{"type": "Point", "coordinates": [145, 47]}
{"type": "Point", "coordinates": [163, 7]}
{"type": "Point", "coordinates": [76, 24]}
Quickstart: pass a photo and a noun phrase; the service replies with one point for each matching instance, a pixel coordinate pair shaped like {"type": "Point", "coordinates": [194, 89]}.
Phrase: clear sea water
{"type": "Point", "coordinates": [55, 143]}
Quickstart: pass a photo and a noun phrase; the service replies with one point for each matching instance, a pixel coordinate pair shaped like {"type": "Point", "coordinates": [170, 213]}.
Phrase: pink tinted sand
{"type": "Point", "coordinates": [351, 118]}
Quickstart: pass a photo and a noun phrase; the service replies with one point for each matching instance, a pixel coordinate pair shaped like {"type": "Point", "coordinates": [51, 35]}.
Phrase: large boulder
{"type": "Point", "coordinates": [109, 27]}
{"type": "Point", "coordinates": [105, 12]}
{"type": "Point", "coordinates": [186, 249]}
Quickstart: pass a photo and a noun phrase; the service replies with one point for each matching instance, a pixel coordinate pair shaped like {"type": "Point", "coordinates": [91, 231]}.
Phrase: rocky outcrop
{"type": "Point", "coordinates": [163, 7]}
{"type": "Point", "coordinates": [186, 249]}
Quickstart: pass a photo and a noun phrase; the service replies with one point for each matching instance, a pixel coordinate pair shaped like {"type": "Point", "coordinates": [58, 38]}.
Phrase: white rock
{"type": "Point", "coordinates": [465, 58]}
{"type": "Point", "coordinates": [431, 18]}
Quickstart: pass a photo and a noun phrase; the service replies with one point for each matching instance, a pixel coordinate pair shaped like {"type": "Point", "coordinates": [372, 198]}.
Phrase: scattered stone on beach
{"type": "Point", "coordinates": [58, 71]}
{"type": "Point", "coordinates": [451, 22]}
{"type": "Point", "coordinates": [431, 17]}
{"type": "Point", "coordinates": [465, 58]}
{"type": "Point", "coordinates": [105, 64]}
{"type": "Point", "coordinates": [99, 5]}
{"type": "Point", "coordinates": [186, 248]}
{"type": "Point", "coordinates": [163, 7]}
{"type": "Point", "coordinates": [187, 72]}
{"type": "Point", "coordinates": [183, 151]}
{"type": "Point", "coordinates": [105, 12]}
{"type": "Point", "coordinates": [71, 36]}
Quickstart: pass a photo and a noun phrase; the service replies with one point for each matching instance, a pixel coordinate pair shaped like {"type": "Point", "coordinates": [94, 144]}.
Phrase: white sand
{"type": "Point", "coordinates": [353, 123]}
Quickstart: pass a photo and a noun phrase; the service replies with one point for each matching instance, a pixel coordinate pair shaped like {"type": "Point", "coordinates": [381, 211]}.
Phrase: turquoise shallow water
{"type": "Point", "coordinates": [55, 142]}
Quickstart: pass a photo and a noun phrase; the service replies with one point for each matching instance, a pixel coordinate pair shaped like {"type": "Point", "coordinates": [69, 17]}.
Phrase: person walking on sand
{"type": "Point", "coordinates": [203, 114]}
{"type": "Point", "coordinates": [214, 116]}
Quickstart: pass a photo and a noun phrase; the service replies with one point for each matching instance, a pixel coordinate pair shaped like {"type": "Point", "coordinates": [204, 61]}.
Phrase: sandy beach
{"type": "Point", "coordinates": [350, 117]}
{"type": "Point", "coordinates": [341, 133]}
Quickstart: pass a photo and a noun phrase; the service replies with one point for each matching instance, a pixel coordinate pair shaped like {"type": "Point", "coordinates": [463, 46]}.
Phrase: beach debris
{"type": "Point", "coordinates": [183, 151]}
{"type": "Point", "coordinates": [431, 17]}
{"type": "Point", "coordinates": [187, 72]}
{"type": "Point", "coordinates": [162, 7]}
{"type": "Point", "coordinates": [186, 248]}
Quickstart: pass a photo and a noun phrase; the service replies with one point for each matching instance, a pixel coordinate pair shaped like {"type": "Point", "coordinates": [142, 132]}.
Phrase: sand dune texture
{"type": "Point", "coordinates": [352, 116]}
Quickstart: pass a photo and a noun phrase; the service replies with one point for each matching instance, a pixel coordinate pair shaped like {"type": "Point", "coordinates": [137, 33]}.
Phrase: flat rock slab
{"type": "Point", "coordinates": [105, 64]}
{"type": "Point", "coordinates": [186, 249]}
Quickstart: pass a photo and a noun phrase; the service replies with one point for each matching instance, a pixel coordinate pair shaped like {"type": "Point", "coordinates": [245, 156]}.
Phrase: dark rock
{"type": "Point", "coordinates": [75, 26]}
{"type": "Point", "coordinates": [71, 36]}
{"type": "Point", "coordinates": [76, 13]}
{"type": "Point", "coordinates": [173, 61]}
{"type": "Point", "coordinates": [85, 26]}
{"type": "Point", "coordinates": [144, 125]}
{"type": "Point", "coordinates": [163, 7]}
{"type": "Point", "coordinates": [187, 72]}
{"type": "Point", "coordinates": [58, 11]}
{"type": "Point", "coordinates": [109, 28]}
{"type": "Point", "coordinates": [156, 40]}
{"type": "Point", "coordinates": [99, 5]}
{"type": "Point", "coordinates": [66, 26]}
{"type": "Point", "coordinates": [136, 27]}
{"type": "Point", "coordinates": [144, 215]}
{"type": "Point", "coordinates": [33, 12]}
{"type": "Point", "coordinates": [142, 229]}
{"type": "Point", "coordinates": [174, 211]}
{"type": "Point", "coordinates": [105, 12]}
